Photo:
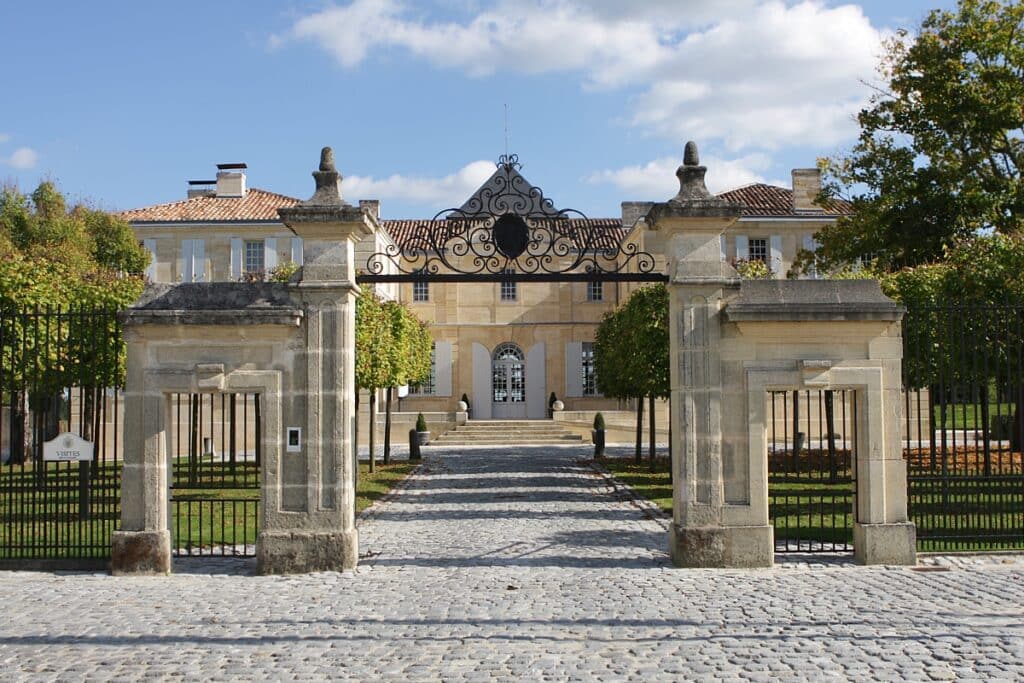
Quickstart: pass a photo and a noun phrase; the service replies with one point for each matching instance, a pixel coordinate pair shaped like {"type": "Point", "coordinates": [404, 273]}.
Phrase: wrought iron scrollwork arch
{"type": "Point", "coordinates": [510, 226]}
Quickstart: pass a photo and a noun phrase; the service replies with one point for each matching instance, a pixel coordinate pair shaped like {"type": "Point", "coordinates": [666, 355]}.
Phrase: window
{"type": "Point", "coordinates": [595, 291]}
{"type": "Point", "coordinates": [421, 291]}
{"type": "Point", "coordinates": [508, 287]}
{"type": "Point", "coordinates": [588, 378]}
{"type": "Point", "coordinates": [758, 249]}
{"type": "Point", "coordinates": [866, 259]}
{"type": "Point", "coordinates": [429, 387]}
{"type": "Point", "coordinates": [254, 257]}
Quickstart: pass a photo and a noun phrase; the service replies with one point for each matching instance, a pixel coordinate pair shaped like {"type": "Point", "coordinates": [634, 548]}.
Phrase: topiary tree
{"type": "Point", "coordinates": [631, 354]}
{"type": "Point", "coordinates": [375, 356]}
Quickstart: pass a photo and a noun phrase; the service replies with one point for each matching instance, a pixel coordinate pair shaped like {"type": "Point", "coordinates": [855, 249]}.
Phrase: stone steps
{"type": "Point", "coordinates": [507, 433]}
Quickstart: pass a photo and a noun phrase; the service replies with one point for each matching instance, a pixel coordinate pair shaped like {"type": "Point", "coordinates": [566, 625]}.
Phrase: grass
{"type": "Point", "coordinates": [655, 486]}
{"type": "Point", "coordinates": [44, 523]}
{"type": "Point", "coordinates": [968, 415]}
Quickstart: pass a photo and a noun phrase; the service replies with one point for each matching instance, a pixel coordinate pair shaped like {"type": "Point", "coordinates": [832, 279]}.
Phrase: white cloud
{"type": "Point", "coordinates": [752, 74]}
{"type": "Point", "coordinates": [656, 180]}
{"type": "Point", "coordinates": [4, 137]}
{"type": "Point", "coordinates": [450, 190]}
{"type": "Point", "coordinates": [23, 158]}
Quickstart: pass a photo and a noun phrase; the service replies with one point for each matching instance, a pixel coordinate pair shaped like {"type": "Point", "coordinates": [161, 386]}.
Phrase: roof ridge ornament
{"type": "Point", "coordinates": [691, 177]}
{"type": "Point", "coordinates": [509, 162]}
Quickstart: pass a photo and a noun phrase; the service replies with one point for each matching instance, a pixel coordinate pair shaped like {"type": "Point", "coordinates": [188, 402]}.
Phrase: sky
{"type": "Point", "coordinates": [121, 103]}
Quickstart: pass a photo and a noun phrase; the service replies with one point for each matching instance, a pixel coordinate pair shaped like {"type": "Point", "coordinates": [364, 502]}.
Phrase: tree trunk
{"type": "Point", "coordinates": [193, 440]}
{"type": "Point", "coordinates": [1018, 420]}
{"type": "Point", "coordinates": [652, 449]}
{"type": "Point", "coordinates": [20, 433]}
{"type": "Point", "coordinates": [355, 449]}
{"type": "Point", "coordinates": [371, 429]}
{"type": "Point", "coordinates": [796, 429]}
{"type": "Point", "coordinates": [830, 434]}
{"type": "Point", "coordinates": [639, 428]}
{"type": "Point", "coordinates": [387, 426]}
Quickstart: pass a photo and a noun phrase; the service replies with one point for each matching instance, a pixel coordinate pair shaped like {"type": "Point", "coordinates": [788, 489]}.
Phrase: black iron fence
{"type": "Point", "coordinates": [215, 473]}
{"type": "Point", "coordinates": [811, 449]}
{"type": "Point", "coordinates": [964, 417]}
{"type": "Point", "coordinates": [61, 370]}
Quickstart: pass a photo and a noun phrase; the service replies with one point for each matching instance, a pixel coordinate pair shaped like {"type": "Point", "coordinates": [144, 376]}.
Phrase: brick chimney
{"type": "Point", "coordinates": [231, 180]}
{"type": "Point", "coordinates": [806, 186]}
{"type": "Point", "coordinates": [632, 212]}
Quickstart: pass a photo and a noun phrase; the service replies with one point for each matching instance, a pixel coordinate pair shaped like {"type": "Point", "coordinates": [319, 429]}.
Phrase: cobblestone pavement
{"type": "Point", "coordinates": [520, 566]}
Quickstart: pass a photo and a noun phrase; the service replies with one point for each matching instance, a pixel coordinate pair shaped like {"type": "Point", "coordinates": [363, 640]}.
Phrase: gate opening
{"type": "Point", "coordinates": [214, 474]}
{"type": "Point", "coordinates": [811, 456]}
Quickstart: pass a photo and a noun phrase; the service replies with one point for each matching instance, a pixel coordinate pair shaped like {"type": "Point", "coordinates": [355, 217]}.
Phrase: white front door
{"type": "Point", "coordinates": [508, 382]}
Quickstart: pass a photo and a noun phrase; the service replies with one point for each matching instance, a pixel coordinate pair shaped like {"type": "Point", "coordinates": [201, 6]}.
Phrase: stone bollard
{"type": "Point", "coordinates": [414, 445]}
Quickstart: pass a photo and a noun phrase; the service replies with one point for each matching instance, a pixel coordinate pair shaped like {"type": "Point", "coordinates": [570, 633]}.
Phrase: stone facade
{"type": "Point", "coordinates": [549, 322]}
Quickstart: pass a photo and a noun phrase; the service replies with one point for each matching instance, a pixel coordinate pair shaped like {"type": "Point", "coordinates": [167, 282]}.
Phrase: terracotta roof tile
{"type": "Point", "coordinates": [769, 200]}
{"type": "Point", "coordinates": [256, 205]}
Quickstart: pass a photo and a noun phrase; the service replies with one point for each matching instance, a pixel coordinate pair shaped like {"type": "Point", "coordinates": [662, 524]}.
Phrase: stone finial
{"type": "Point", "coordinates": [690, 155]}
{"type": "Point", "coordinates": [691, 177]}
{"type": "Point", "coordinates": [327, 159]}
{"type": "Point", "coordinates": [328, 182]}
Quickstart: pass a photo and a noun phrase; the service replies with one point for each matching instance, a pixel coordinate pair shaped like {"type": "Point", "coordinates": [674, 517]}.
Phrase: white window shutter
{"type": "Point", "coordinates": [742, 248]}
{"type": "Point", "coordinates": [150, 246]}
{"type": "Point", "coordinates": [236, 258]}
{"type": "Point", "coordinates": [573, 366]}
{"type": "Point", "coordinates": [186, 261]}
{"type": "Point", "coordinates": [811, 245]}
{"type": "Point", "coordinates": [775, 243]}
{"type": "Point", "coordinates": [198, 260]}
{"type": "Point", "coordinates": [269, 254]}
{"type": "Point", "coordinates": [721, 246]}
{"type": "Point", "coordinates": [297, 251]}
{"type": "Point", "coordinates": [442, 368]}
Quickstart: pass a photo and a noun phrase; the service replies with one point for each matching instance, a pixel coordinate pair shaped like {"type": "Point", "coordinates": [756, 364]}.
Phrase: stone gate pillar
{"type": "Point", "coordinates": [732, 343]}
{"type": "Point", "coordinates": [294, 345]}
{"type": "Point", "coordinates": [311, 526]}
{"type": "Point", "coordinates": [700, 281]}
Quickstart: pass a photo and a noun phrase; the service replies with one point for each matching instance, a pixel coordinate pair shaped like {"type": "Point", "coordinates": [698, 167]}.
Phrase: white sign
{"type": "Point", "coordinates": [403, 391]}
{"type": "Point", "coordinates": [68, 447]}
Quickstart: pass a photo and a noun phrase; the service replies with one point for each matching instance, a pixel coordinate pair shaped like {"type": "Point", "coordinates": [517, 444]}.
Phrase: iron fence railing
{"type": "Point", "coordinates": [61, 370]}
{"type": "Point", "coordinates": [963, 376]}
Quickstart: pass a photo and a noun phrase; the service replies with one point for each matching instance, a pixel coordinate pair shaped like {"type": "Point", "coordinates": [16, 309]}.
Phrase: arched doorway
{"type": "Point", "coordinates": [508, 382]}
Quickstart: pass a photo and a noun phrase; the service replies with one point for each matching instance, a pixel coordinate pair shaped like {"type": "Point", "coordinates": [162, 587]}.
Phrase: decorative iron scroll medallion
{"type": "Point", "coordinates": [508, 230]}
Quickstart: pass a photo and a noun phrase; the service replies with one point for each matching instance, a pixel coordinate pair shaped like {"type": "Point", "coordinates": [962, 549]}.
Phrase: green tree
{"type": "Point", "coordinates": [52, 259]}
{"type": "Point", "coordinates": [941, 146]}
{"type": "Point", "coordinates": [631, 353]}
{"type": "Point", "coordinates": [411, 358]}
{"type": "Point", "coordinates": [375, 355]}
{"type": "Point", "coordinates": [980, 277]}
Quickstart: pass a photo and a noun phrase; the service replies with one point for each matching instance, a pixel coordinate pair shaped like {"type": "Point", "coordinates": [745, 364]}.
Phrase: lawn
{"type": "Point", "coordinates": [655, 486]}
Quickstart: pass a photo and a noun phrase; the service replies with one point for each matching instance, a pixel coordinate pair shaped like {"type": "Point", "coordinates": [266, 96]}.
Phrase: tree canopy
{"type": "Point", "coordinates": [392, 346]}
{"type": "Point", "coordinates": [51, 255]}
{"type": "Point", "coordinates": [941, 144]}
{"type": "Point", "coordinates": [631, 347]}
